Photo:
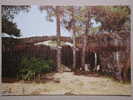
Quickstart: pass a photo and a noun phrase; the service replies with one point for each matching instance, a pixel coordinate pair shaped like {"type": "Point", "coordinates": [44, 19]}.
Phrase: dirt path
{"type": "Point", "coordinates": [69, 84]}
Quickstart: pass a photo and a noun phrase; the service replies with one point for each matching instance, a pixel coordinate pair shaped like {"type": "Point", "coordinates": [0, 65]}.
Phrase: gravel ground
{"type": "Point", "coordinates": [67, 83]}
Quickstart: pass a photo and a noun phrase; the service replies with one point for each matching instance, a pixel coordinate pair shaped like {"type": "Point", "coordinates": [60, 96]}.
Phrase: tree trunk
{"type": "Point", "coordinates": [58, 39]}
{"type": "Point", "coordinates": [74, 40]}
{"type": "Point", "coordinates": [74, 51]}
{"type": "Point", "coordinates": [95, 59]}
{"type": "Point", "coordinates": [117, 58]}
{"type": "Point", "coordinates": [119, 67]}
{"type": "Point", "coordinates": [85, 40]}
{"type": "Point", "coordinates": [84, 51]}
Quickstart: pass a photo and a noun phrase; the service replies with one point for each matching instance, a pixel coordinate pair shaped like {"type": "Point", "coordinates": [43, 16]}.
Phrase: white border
{"type": "Point", "coordinates": [70, 2]}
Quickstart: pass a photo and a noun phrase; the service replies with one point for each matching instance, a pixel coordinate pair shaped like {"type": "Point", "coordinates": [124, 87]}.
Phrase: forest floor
{"type": "Point", "coordinates": [67, 83]}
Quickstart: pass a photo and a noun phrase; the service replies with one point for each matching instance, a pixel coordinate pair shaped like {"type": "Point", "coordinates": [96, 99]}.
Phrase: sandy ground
{"type": "Point", "coordinates": [67, 83]}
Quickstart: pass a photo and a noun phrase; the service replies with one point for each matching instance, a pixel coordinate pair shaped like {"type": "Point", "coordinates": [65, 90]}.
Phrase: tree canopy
{"type": "Point", "coordinates": [112, 18]}
{"type": "Point", "coordinates": [8, 14]}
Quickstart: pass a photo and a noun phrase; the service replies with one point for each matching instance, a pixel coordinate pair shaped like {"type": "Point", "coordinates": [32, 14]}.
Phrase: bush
{"type": "Point", "coordinates": [29, 68]}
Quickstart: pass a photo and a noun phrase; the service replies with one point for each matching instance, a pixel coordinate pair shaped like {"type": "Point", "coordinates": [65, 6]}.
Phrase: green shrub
{"type": "Point", "coordinates": [29, 68]}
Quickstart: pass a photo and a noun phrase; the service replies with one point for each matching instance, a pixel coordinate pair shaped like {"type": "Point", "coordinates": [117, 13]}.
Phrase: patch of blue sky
{"type": "Point", "coordinates": [34, 23]}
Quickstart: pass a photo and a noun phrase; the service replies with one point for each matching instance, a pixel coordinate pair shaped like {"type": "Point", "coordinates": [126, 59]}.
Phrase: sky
{"type": "Point", "coordinates": [34, 23]}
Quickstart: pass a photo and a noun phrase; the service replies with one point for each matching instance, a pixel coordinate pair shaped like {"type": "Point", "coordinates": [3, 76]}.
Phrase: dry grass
{"type": "Point", "coordinates": [69, 84]}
